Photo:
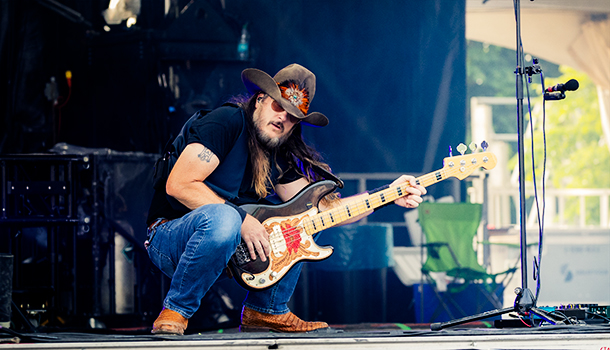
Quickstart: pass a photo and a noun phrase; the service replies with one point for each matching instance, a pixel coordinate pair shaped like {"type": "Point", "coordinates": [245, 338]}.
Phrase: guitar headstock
{"type": "Point", "coordinates": [465, 164]}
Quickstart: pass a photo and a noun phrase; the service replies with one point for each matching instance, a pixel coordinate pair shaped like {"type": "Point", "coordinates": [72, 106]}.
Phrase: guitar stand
{"type": "Point", "coordinates": [525, 305]}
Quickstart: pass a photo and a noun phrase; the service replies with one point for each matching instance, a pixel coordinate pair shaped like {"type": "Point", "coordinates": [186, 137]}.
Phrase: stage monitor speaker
{"type": "Point", "coordinates": [75, 220]}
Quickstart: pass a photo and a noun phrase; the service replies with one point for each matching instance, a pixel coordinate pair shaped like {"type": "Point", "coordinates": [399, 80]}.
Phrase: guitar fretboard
{"type": "Point", "coordinates": [335, 216]}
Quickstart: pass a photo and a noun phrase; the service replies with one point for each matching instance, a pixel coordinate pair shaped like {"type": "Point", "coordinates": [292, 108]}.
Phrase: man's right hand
{"type": "Point", "coordinates": [256, 238]}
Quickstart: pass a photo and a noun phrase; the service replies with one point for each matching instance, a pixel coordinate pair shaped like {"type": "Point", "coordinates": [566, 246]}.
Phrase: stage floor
{"type": "Point", "coordinates": [361, 336]}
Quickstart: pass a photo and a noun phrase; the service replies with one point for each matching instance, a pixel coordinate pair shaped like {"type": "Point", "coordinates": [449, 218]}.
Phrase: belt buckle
{"type": "Point", "coordinates": [151, 230]}
{"type": "Point", "coordinates": [156, 223]}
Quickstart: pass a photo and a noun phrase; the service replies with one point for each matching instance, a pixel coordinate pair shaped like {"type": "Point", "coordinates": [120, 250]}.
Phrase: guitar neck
{"type": "Point", "coordinates": [459, 167]}
{"type": "Point", "coordinates": [375, 200]}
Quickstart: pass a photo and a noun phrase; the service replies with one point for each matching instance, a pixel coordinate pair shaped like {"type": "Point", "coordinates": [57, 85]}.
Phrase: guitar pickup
{"type": "Point", "coordinates": [242, 255]}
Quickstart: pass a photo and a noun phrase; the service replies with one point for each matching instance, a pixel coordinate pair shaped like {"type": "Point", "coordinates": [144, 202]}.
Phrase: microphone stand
{"type": "Point", "coordinates": [525, 303]}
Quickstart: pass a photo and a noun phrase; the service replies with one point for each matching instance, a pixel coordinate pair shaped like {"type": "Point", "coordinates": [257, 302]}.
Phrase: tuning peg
{"type": "Point", "coordinates": [484, 145]}
{"type": "Point", "coordinates": [462, 148]}
{"type": "Point", "coordinates": [450, 151]}
{"type": "Point", "coordinates": [472, 146]}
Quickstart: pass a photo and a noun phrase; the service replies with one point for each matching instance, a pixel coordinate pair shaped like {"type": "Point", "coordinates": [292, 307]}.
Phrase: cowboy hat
{"type": "Point", "coordinates": [293, 87]}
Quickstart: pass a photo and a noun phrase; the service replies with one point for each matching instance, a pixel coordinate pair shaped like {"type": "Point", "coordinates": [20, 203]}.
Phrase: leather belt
{"type": "Point", "coordinates": [157, 223]}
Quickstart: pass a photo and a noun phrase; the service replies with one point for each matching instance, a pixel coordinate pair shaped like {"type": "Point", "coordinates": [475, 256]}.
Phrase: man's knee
{"type": "Point", "coordinates": [224, 223]}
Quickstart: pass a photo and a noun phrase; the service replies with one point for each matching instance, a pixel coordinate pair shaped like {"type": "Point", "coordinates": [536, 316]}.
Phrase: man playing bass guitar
{"type": "Point", "coordinates": [240, 153]}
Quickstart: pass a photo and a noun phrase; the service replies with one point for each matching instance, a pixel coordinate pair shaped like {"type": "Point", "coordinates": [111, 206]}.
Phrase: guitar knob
{"type": "Point", "coordinates": [273, 274]}
{"type": "Point", "coordinates": [484, 145]}
{"type": "Point", "coordinates": [261, 281]}
{"type": "Point", "coordinates": [462, 148]}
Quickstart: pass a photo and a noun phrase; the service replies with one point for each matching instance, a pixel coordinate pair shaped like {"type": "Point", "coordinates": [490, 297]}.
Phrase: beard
{"type": "Point", "coordinates": [268, 141]}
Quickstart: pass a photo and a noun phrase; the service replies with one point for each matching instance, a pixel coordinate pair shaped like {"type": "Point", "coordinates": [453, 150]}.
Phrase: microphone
{"type": "Point", "coordinates": [571, 85]}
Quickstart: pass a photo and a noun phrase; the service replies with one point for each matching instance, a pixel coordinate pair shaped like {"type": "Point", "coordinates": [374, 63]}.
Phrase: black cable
{"type": "Point", "coordinates": [520, 70]}
{"type": "Point", "coordinates": [562, 315]}
{"type": "Point", "coordinates": [540, 214]}
{"type": "Point", "coordinates": [29, 337]}
{"type": "Point", "coordinates": [541, 221]}
{"type": "Point", "coordinates": [65, 12]}
{"type": "Point", "coordinates": [23, 318]}
{"type": "Point", "coordinates": [597, 315]}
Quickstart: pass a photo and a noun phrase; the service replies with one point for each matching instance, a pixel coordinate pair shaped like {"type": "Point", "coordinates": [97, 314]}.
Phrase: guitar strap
{"type": "Point", "coordinates": [327, 175]}
{"type": "Point", "coordinates": [161, 169]}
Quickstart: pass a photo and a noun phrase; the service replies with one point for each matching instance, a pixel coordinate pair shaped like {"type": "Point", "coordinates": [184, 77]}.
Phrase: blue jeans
{"type": "Point", "coordinates": [194, 250]}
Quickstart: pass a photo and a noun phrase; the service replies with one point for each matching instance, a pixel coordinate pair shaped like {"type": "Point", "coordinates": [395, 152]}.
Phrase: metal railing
{"type": "Point", "coordinates": [503, 196]}
{"type": "Point", "coordinates": [503, 204]}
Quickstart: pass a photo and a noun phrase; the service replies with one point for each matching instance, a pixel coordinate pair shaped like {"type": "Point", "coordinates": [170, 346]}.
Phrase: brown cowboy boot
{"type": "Point", "coordinates": [252, 321]}
{"type": "Point", "coordinates": [170, 322]}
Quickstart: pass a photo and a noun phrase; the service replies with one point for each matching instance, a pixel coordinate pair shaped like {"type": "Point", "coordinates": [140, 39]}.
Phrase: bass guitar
{"type": "Point", "coordinates": [291, 225]}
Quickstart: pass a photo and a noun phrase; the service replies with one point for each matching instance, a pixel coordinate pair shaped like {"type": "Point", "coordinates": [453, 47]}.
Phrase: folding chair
{"type": "Point", "coordinates": [449, 230]}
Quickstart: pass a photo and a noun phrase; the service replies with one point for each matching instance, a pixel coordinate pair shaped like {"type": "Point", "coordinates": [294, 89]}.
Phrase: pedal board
{"type": "Point", "coordinates": [587, 313]}
{"type": "Point", "coordinates": [574, 313]}
{"type": "Point", "coordinates": [600, 310]}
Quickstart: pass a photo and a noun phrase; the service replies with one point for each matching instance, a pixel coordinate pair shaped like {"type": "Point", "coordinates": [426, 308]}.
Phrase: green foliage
{"type": "Point", "coordinates": [490, 70]}
{"type": "Point", "coordinates": [577, 156]}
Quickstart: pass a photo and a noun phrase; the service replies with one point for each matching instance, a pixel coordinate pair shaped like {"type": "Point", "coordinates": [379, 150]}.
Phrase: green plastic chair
{"type": "Point", "coordinates": [449, 230]}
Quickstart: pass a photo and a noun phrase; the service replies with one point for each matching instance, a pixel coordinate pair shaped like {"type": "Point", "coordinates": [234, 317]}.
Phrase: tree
{"type": "Point", "coordinates": [577, 156]}
{"type": "Point", "coordinates": [490, 71]}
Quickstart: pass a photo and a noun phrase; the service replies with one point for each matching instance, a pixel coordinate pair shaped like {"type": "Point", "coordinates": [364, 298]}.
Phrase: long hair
{"type": "Point", "coordinates": [300, 156]}
{"type": "Point", "coordinates": [259, 155]}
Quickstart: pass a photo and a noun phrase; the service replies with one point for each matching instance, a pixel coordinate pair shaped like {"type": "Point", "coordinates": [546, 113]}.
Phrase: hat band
{"type": "Point", "coordinates": [296, 96]}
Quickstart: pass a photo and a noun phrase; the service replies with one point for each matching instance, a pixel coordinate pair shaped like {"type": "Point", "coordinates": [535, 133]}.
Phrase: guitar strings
{"type": "Point", "coordinates": [374, 200]}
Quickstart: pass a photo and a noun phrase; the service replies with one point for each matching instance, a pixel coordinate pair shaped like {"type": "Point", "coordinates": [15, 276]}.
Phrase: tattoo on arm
{"type": "Point", "coordinates": [205, 155]}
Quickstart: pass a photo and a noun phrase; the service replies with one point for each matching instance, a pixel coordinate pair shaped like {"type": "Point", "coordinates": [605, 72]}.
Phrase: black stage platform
{"type": "Point", "coordinates": [476, 335]}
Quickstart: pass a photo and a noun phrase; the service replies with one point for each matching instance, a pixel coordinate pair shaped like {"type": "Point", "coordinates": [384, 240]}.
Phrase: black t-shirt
{"type": "Point", "coordinates": [218, 130]}
{"type": "Point", "coordinates": [221, 131]}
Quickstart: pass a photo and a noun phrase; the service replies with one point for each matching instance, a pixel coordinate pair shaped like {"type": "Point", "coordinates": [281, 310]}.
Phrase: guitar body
{"type": "Point", "coordinates": [290, 243]}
